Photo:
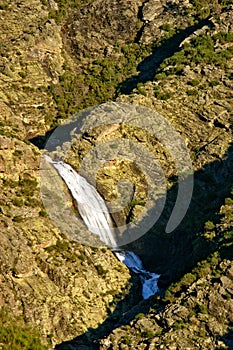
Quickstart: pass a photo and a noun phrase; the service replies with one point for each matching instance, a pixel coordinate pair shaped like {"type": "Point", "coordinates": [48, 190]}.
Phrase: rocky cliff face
{"type": "Point", "coordinates": [175, 57]}
{"type": "Point", "coordinates": [195, 313]}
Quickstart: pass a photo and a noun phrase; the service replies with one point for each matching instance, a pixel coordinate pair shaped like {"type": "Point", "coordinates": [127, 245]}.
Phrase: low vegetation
{"type": "Point", "coordinates": [200, 50]}
{"type": "Point", "coordinates": [16, 335]}
{"type": "Point", "coordinates": [99, 80]}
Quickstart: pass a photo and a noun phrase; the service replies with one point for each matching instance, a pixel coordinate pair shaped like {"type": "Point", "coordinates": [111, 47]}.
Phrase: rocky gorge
{"type": "Point", "coordinates": [58, 58]}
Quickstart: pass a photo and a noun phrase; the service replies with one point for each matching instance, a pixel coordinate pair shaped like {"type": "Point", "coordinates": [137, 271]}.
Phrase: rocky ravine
{"type": "Point", "coordinates": [62, 57]}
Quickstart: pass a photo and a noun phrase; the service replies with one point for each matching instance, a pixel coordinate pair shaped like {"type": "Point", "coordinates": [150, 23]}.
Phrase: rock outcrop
{"type": "Point", "coordinates": [174, 57]}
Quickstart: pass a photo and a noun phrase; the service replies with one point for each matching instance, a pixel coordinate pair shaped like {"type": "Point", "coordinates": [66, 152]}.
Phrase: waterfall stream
{"type": "Point", "coordinates": [95, 215]}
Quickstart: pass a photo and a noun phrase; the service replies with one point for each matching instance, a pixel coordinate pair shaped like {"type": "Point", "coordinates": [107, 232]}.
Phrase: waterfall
{"type": "Point", "coordinates": [91, 205]}
{"type": "Point", "coordinates": [149, 279]}
{"type": "Point", "coordinates": [95, 215]}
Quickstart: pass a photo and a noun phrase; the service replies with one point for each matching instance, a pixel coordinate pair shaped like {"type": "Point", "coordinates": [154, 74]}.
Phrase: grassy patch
{"type": "Point", "coordinates": [15, 335]}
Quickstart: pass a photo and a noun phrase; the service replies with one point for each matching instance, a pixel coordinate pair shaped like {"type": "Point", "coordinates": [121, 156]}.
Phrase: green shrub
{"type": "Point", "coordinates": [188, 279]}
{"type": "Point", "coordinates": [194, 82]}
{"type": "Point", "coordinates": [18, 218]}
{"type": "Point", "coordinates": [22, 74]}
{"type": "Point", "coordinates": [192, 92]}
{"type": "Point", "coordinates": [228, 201]}
{"type": "Point", "coordinates": [101, 271]}
{"type": "Point", "coordinates": [202, 308]}
{"type": "Point", "coordinates": [17, 153]}
{"type": "Point", "coordinates": [139, 316]}
{"type": "Point", "coordinates": [28, 184]}
{"type": "Point", "coordinates": [203, 8]}
{"type": "Point", "coordinates": [224, 37]}
{"type": "Point", "coordinates": [178, 324]}
{"type": "Point", "coordinates": [4, 6]}
{"type": "Point", "coordinates": [161, 76]}
{"type": "Point", "coordinates": [147, 333]}
{"type": "Point", "coordinates": [214, 83]}
{"type": "Point", "coordinates": [165, 96]}
{"type": "Point", "coordinates": [127, 339]}
{"type": "Point", "coordinates": [228, 236]}
{"type": "Point", "coordinates": [157, 90]}
{"type": "Point", "coordinates": [63, 9]}
{"type": "Point", "coordinates": [15, 335]}
{"type": "Point", "coordinates": [135, 202]}
{"type": "Point", "coordinates": [18, 202]}
{"type": "Point", "coordinates": [140, 89]}
{"type": "Point", "coordinates": [10, 183]}
{"type": "Point", "coordinates": [227, 296]}
{"type": "Point", "coordinates": [201, 50]}
{"type": "Point", "coordinates": [62, 245]}
{"type": "Point", "coordinates": [32, 202]}
{"type": "Point", "coordinates": [166, 26]}
{"type": "Point", "coordinates": [99, 82]}
{"type": "Point", "coordinates": [59, 248]}
{"type": "Point", "coordinates": [169, 296]}
{"type": "Point", "coordinates": [81, 256]}
{"type": "Point", "coordinates": [209, 226]}
{"type": "Point", "coordinates": [43, 213]}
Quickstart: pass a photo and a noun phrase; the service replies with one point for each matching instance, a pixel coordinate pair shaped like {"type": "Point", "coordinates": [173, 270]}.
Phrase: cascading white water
{"type": "Point", "coordinates": [91, 205]}
{"type": "Point", "coordinates": [149, 279]}
{"type": "Point", "coordinates": [94, 213]}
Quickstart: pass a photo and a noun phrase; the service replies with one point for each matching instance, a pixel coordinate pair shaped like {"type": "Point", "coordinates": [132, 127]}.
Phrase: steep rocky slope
{"type": "Point", "coordinates": [196, 312]}
{"type": "Point", "coordinates": [57, 57]}
{"type": "Point", "coordinates": [44, 277]}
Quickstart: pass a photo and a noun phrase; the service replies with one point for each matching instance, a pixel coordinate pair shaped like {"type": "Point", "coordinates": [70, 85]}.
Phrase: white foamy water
{"type": "Point", "coordinates": [95, 215]}
{"type": "Point", "coordinates": [149, 279]}
{"type": "Point", "coordinates": [91, 205]}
